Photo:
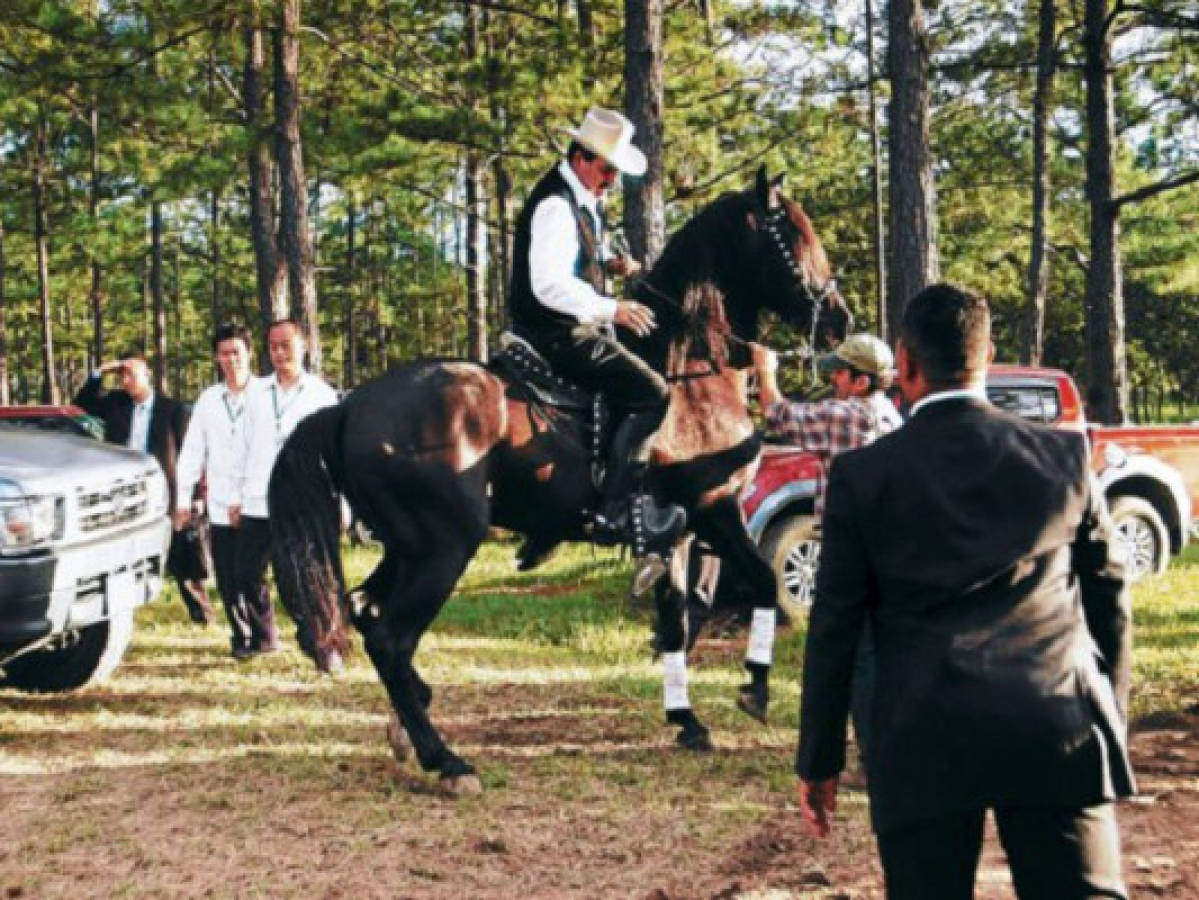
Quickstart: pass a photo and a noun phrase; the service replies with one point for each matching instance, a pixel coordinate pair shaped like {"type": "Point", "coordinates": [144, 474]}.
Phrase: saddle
{"type": "Point", "coordinates": [532, 380]}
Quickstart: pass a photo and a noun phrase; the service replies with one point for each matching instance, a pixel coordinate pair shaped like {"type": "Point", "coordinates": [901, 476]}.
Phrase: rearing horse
{"type": "Point", "coordinates": [433, 452]}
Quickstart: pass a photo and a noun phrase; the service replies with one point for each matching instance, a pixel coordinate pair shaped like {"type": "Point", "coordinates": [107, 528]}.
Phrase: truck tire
{"type": "Point", "coordinates": [91, 655]}
{"type": "Point", "coordinates": [792, 547]}
{"type": "Point", "coordinates": [1140, 529]}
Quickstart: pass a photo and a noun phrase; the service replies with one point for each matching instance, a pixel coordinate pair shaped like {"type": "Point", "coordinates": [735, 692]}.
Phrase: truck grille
{"type": "Point", "coordinates": [123, 501]}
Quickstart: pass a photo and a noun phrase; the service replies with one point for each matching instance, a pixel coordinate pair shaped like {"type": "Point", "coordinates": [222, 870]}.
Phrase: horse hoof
{"type": "Point", "coordinates": [461, 785]}
{"type": "Point", "coordinates": [697, 740]}
{"type": "Point", "coordinates": [397, 737]}
{"type": "Point", "coordinates": [751, 705]}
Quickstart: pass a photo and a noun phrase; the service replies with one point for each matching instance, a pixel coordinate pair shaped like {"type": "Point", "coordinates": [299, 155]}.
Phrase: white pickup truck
{"type": "Point", "coordinates": [83, 541]}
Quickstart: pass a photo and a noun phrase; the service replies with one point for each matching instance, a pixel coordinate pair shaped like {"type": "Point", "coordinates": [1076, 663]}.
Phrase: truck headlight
{"type": "Point", "coordinates": [27, 523]}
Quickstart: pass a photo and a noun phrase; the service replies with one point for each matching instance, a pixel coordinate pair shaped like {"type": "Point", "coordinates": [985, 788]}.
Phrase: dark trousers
{"type": "Point", "coordinates": [252, 554]}
{"type": "Point", "coordinates": [224, 564]}
{"type": "Point", "coordinates": [598, 362]}
{"type": "Point", "coordinates": [1055, 853]}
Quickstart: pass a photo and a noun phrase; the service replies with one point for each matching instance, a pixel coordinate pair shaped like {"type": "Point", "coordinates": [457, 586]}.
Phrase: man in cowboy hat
{"type": "Point", "coordinates": [558, 304]}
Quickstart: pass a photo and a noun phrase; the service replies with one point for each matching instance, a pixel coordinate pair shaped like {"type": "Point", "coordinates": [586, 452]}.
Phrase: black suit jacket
{"type": "Point", "coordinates": [979, 548]}
{"type": "Point", "coordinates": [168, 423]}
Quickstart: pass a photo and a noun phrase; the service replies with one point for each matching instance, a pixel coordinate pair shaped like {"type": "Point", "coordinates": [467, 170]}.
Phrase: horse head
{"type": "Point", "coordinates": [794, 278]}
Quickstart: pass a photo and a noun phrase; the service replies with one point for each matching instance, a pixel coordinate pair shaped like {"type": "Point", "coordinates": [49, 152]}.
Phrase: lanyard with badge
{"type": "Point", "coordinates": [281, 411]}
{"type": "Point", "coordinates": [234, 411]}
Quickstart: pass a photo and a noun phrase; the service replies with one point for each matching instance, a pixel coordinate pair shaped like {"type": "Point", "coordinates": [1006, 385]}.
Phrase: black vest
{"type": "Point", "coordinates": [531, 319]}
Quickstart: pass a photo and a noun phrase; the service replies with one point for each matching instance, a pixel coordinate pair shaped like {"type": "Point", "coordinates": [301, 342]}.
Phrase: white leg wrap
{"type": "Point", "coordinates": [761, 638]}
{"type": "Point", "coordinates": [674, 681]}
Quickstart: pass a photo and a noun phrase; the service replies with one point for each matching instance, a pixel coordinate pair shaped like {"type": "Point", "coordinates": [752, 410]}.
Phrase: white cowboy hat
{"type": "Point", "coordinates": [608, 133]}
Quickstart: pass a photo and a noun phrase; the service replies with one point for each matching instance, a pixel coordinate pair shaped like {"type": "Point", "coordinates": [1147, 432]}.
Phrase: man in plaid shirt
{"type": "Point", "coordinates": [860, 370]}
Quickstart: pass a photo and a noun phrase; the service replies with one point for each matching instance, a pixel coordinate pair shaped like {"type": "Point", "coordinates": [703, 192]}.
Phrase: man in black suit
{"type": "Point", "coordinates": [138, 417]}
{"type": "Point", "coordinates": [980, 549]}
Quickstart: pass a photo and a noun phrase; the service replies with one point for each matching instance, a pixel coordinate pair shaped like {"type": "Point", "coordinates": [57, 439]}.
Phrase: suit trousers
{"type": "Point", "coordinates": [1055, 853]}
{"type": "Point", "coordinates": [253, 553]}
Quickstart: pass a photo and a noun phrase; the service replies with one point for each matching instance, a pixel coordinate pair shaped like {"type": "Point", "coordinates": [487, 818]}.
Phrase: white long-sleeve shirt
{"type": "Point", "coordinates": [553, 249]}
{"type": "Point", "coordinates": [210, 448]}
{"type": "Point", "coordinates": [271, 415]}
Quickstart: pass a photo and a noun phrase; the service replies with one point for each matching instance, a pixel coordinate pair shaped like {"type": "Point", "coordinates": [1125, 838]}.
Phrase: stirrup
{"type": "Point", "coordinates": [654, 529]}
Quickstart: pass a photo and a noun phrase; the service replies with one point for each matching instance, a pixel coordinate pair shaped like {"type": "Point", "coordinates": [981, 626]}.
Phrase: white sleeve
{"type": "Point", "coordinates": [553, 248]}
{"type": "Point", "coordinates": [192, 457]}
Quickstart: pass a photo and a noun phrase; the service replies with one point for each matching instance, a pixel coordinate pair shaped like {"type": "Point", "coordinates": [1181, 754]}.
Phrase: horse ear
{"type": "Point", "coordinates": [764, 190]}
{"type": "Point", "coordinates": [778, 180]}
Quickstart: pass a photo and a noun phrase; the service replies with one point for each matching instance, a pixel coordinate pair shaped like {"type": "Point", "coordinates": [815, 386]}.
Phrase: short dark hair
{"type": "Point", "coordinates": [135, 351]}
{"type": "Point", "coordinates": [287, 320]}
{"type": "Point", "coordinates": [577, 148]}
{"type": "Point", "coordinates": [947, 332]}
{"type": "Point", "coordinates": [231, 331]}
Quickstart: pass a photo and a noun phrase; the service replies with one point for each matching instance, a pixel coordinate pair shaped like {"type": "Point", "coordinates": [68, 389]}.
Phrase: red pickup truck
{"type": "Point", "coordinates": [1150, 476]}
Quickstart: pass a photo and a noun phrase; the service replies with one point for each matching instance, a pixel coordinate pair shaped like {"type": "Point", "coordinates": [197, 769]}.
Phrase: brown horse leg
{"type": "Point", "coordinates": [392, 630]}
{"type": "Point", "coordinates": [670, 639]}
{"type": "Point", "coordinates": [721, 526]}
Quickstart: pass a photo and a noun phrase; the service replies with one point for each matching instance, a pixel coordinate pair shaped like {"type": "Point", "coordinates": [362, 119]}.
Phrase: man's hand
{"type": "Point", "coordinates": [113, 365]}
{"type": "Point", "coordinates": [817, 802]}
{"type": "Point", "coordinates": [766, 366]}
{"type": "Point", "coordinates": [634, 316]}
{"type": "Point", "coordinates": [235, 515]}
{"type": "Point", "coordinates": [766, 361]}
{"type": "Point", "coordinates": [624, 266]}
{"type": "Point", "coordinates": [182, 517]}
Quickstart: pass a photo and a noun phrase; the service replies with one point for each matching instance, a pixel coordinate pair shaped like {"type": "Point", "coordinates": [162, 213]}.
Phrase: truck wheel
{"type": "Point", "coordinates": [90, 655]}
{"type": "Point", "coordinates": [1143, 534]}
{"type": "Point", "coordinates": [792, 547]}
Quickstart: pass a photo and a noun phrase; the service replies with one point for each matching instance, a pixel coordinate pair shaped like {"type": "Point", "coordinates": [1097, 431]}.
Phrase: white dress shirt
{"type": "Point", "coordinates": [210, 448]}
{"type": "Point", "coordinates": [271, 415]}
{"type": "Point", "coordinates": [139, 425]}
{"type": "Point", "coordinates": [553, 249]}
{"type": "Point", "coordinates": [978, 393]}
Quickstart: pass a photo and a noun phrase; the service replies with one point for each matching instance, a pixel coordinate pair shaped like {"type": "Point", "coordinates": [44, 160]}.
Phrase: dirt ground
{"type": "Point", "coordinates": [167, 795]}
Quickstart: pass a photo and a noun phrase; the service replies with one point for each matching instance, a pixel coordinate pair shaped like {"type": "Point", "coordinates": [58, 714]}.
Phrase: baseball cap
{"type": "Point", "coordinates": [863, 352]}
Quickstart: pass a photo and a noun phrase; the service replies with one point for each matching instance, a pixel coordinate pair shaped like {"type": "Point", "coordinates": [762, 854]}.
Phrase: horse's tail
{"type": "Point", "coordinates": [305, 515]}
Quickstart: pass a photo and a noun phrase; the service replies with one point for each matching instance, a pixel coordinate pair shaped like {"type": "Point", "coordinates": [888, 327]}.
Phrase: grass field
{"type": "Point", "coordinates": [188, 773]}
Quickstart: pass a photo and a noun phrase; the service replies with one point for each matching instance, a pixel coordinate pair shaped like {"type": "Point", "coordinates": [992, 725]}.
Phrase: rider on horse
{"type": "Point", "coordinates": [558, 305]}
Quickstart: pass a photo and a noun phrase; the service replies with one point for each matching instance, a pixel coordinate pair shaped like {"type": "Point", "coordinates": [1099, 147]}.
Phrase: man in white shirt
{"type": "Point", "coordinates": [213, 440]}
{"type": "Point", "coordinates": [557, 303]}
{"type": "Point", "coordinates": [273, 408]}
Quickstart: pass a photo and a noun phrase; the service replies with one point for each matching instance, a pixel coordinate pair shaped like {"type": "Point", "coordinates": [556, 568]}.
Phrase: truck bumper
{"type": "Point", "coordinates": [80, 585]}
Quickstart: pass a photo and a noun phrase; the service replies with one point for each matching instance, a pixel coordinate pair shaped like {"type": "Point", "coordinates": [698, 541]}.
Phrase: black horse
{"type": "Point", "coordinates": [433, 452]}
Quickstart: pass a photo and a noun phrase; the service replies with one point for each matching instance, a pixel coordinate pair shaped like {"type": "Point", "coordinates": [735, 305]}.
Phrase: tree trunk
{"type": "Point", "coordinates": [476, 213]}
{"type": "Point", "coordinates": [913, 214]}
{"type": "Point", "coordinates": [1038, 263]}
{"type": "Point", "coordinates": [158, 300]}
{"type": "Point", "coordinates": [1107, 365]}
{"type": "Point", "coordinates": [586, 26]}
{"type": "Point", "coordinates": [41, 241]}
{"type": "Point", "coordinates": [350, 346]}
{"type": "Point", "coordinates": [876, 179]}
{"type": "Point", "coordinates": [5, 396]}
{"type": "Point", "coordinates": [271, 275]}
{"type": "Point", "coordinates": [95, 295]}
{"type": "Point", "coordinates": [644, 207]}
{"type": "Point", "coordinates": [476, 257]}
{"type": "Point", "coordinates": [294, 238]}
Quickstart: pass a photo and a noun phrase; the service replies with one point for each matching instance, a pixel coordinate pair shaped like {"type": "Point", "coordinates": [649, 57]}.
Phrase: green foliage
{"type": "Point", "coordinates": [391, 103]}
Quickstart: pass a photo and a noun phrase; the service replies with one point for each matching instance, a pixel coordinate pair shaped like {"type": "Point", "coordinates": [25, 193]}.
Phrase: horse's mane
{"type": "Point", "coordinates": [812, 256]}
{"type": "Point", "coordinates": [705, 332]}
